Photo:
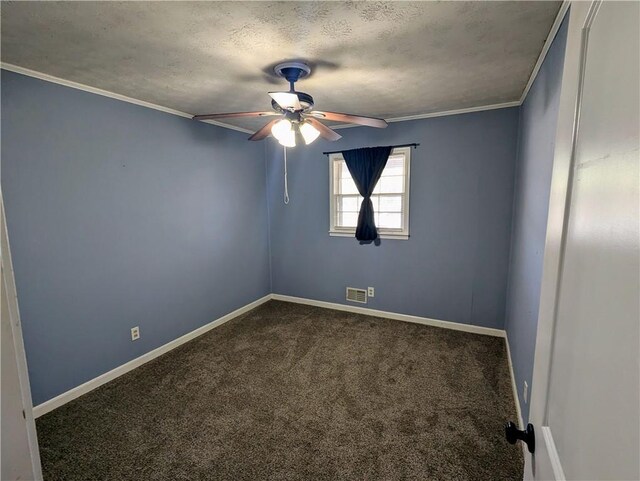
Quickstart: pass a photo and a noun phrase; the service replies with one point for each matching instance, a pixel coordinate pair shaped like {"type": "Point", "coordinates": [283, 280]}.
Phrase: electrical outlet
{"type": "Point", "coordinates": [135, 333]}
{"type": "Point", "coordinates": [371, 292]}
{"type": "Point", "coordinates": [525, 392]}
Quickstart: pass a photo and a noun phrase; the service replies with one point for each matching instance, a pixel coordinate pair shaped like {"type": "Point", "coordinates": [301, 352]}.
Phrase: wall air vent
{"type": "Point", "coordinates": [356, 295]}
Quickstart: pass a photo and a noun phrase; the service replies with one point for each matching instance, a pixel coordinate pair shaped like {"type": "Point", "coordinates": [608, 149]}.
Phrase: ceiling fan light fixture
{"type": "Point", "coordinates": [289, 140]}
{"type": "Point", "coordinates": [296, 112]}
{"type": "Point", "coordinates": [284, 133]}
{"type": "Point", "coordinates": [309, 132]}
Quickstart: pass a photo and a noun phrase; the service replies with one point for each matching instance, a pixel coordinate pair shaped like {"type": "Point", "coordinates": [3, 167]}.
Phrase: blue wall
{"type": "Point", "coordinates": [453, 267]}
{"type": "Point", "coordinates": [537, 134]}
{"type": "Point", "coordinates": [123, 216]}
{"type": "Point", "coordinates": [120, 216]}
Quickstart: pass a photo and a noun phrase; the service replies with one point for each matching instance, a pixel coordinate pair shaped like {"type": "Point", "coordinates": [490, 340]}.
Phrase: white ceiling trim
{"type": "Point", "coordinates": [443, 113]}
{"type": "Point", "coordinates": [467, 110]}
{"type": "Point", "coordinates": [105, 93]}
{"type": "Point", "coordinates": [564, 8]}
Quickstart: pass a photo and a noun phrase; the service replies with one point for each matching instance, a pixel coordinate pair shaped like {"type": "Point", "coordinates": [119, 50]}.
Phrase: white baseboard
{"type": "Point", "coordinates": [78, 391]}
{"type": "Point", "coordinates": [88, 386]}
{"type": "Point", "coordinates": [514, 386]}
{"type": "Point", "coordinates": [393, 315]}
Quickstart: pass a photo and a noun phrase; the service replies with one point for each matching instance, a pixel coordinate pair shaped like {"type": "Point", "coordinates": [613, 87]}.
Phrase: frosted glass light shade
{"type": "Point", "coordinates": [288, 139]}
{"type": "Point", "coordinates": [309, 133]}
{"type": "Point", "coordinates": [283, 131]}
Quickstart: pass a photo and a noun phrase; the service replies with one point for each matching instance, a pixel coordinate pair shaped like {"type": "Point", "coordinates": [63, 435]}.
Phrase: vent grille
{"type": "Point", "coordinates": [356, 295]}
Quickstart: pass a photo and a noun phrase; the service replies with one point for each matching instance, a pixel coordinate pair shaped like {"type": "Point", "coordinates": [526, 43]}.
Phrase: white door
{"type": "Point", "coordinates": [585, 399]}
{"type": "Point", "coordinates": [19, 458]}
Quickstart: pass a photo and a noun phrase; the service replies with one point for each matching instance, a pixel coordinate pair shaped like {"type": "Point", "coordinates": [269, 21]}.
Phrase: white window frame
{"type": "Point", "coordinates": [401, 234]}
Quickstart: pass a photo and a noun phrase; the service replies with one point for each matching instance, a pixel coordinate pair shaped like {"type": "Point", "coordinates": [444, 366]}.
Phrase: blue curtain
{"type": "Point", "coordinates": [366, 166]}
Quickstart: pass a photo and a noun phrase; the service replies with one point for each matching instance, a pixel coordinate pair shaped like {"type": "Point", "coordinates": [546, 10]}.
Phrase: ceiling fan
{"type": "Point", "coordinates": [295, 114]}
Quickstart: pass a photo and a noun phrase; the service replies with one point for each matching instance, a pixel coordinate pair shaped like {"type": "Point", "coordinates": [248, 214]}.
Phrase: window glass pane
{"type": "Point", "coordinates": [348, 219]}
{"type": "Point", "coordinates": [344, 171]}
{"type": "Point", "coordinates": [395, 166]}
{"type": "Point", "coordinates": [347, 186]}
{"type": "Point", "coordinates": [390, 203]}
{"type": "Point", "coordinates": [390, 185]}
{"type": "Point", "coordinates": [390, 220]}
{"type": "Point", "coordinates": [351, 204]}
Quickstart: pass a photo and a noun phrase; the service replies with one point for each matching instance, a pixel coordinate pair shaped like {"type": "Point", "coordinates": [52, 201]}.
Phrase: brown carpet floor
{"type": "Point", "coordinates": [292, 392]}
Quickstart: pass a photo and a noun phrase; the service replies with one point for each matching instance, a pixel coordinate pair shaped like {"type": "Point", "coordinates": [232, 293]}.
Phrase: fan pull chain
{"type": "Point", "coordinates": [286, 186]}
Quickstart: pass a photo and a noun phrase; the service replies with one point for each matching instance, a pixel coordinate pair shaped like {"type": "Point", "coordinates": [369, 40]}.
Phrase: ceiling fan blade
{"type": "Point", "coordinates": [264, 131]}
{"type": "Point", "coordinates": [234, 114]}
{"type": "Point", "coordinates": [350, 119]}
{"type": "Point", "coordinates": [325, 132]}
{"type": "Point", "coordinates": [286, 100]}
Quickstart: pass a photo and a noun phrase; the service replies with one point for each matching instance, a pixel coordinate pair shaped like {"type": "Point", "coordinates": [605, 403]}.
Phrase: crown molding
{"type": "Point", "coordinates": [564, 8]}
{"type": "Point", "coordinates": [105, 93]}
{"type": "Point", "coordinates": [515, 103]}
{"type": "Point", "coordinates": [167, 110]}
{"type": "Point", "coordinates": [444, 113]}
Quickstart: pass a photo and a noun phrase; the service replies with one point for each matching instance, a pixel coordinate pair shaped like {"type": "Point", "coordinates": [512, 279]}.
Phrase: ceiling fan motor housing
{"type": "Point", "coordinates": [306, 101]}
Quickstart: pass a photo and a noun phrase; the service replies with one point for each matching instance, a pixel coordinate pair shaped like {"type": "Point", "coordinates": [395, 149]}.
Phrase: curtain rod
{"type": "Point", "coordinates": [393, 146]}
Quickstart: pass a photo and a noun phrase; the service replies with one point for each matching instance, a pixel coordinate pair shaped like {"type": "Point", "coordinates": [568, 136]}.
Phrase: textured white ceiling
{"type": "Point", "coordinates": [382, 59]}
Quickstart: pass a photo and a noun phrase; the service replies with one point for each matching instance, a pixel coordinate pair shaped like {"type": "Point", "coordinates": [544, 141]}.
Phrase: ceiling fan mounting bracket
{"type": "Point", "coordinates": [292, 71]}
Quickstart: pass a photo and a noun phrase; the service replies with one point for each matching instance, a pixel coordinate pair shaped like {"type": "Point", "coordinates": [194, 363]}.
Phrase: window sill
{"type": "Point", "coordinates": [382, 235]}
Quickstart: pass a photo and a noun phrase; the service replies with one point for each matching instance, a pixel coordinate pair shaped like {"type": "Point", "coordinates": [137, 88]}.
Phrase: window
{"type": "Point", "coordinates": [390, 197]}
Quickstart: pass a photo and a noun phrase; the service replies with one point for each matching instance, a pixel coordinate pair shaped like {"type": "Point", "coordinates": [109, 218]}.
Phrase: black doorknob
{"type": "Point", "coordinates": [528, 436]}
